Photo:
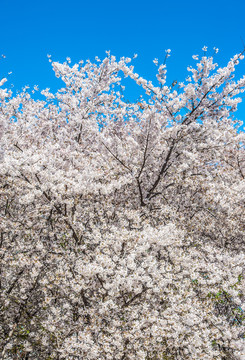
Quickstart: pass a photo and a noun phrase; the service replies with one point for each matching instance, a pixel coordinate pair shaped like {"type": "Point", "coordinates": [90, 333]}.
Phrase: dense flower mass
{"type": "Point", "coordinates": [122, 224]}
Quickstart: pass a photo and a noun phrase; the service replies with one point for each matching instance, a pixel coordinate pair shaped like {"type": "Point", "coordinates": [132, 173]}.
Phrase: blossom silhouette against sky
{"type": "Point", "coordinates": [81, 30]}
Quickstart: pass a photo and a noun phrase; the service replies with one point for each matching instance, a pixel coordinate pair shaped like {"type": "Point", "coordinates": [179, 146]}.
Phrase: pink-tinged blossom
{"type": "Point", "coordinates": [122, 224]}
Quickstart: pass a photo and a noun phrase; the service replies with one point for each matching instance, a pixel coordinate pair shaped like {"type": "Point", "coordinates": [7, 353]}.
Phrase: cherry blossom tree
{"type": "Point", "coordinates": [122, 224]}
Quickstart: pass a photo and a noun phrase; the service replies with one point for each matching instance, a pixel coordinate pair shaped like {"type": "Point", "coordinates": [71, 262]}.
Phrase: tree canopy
{"type": "Point", "coordinates": [122, 223]}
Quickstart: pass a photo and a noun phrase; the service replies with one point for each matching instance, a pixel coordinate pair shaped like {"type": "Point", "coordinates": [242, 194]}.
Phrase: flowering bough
{"type": "Point", "coordinates": [122, 224]}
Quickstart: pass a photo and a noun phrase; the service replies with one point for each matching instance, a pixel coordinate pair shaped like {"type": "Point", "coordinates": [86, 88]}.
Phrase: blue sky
{"type": "Point", "coordinates": [84, 29]}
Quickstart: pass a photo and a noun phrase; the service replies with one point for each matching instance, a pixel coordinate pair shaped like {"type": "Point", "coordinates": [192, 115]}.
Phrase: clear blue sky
{"type": "Point", "coordinates": [31, 29]}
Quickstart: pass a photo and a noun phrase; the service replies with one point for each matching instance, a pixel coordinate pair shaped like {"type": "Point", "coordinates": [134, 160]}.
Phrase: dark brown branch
{"type": "Point", "coordinates": [127, 303]}
{"type": "Point", "coordinates": [145, 151]}
{"type": "Point", "coordinates": [142, 203]}
{"type": "Point", "coordinates": [120, 161]}
{"type": "Point", "coordinates": [17, 146]}
{"type": "Point", "coordinates": [15, 281]}
{"type": "Point", "coordinates": [164, 167]}
{"type": "Point", "coordinates": [159, 193]}
{"type": "Point", "coordinates": [59, 211]}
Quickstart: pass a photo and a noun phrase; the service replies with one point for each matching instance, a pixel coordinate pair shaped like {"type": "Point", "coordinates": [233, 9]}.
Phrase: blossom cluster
{"type": "Point", "coordinates": [122, 224]}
